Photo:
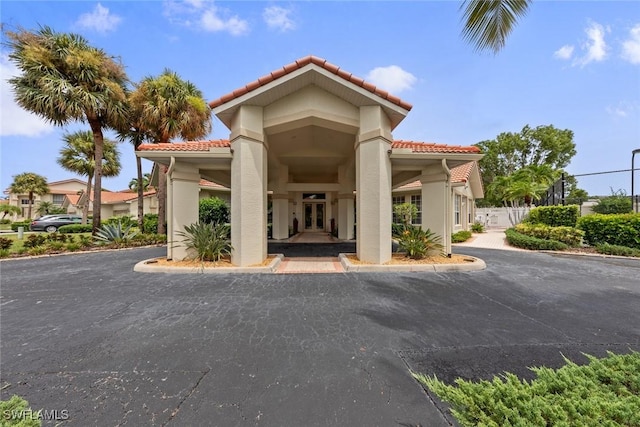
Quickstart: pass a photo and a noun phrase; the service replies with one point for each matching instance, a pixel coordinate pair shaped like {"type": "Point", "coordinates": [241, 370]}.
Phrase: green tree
{"type": "Point", "coordinates": [29, 183]}
{"type": "Point", "coordinates": [78, 155]}
{"type": "Point", "coordinates": [9, 210]}
{"type": "Point", "coordinates": [213, 210]}
{"type": "Point", "coordinates": [48, 208]}
{"type": "Point", "coordinates": [134, 183]}
{"type": "Point", "coordinates": [63, 79]}
{"type": "Point", "coordinates": [617, 203]}
{"type": "Point", "coordinates": [511, 152]}
{"type": "Point", "coordinates": [163, 108]}
{"type": "Point", "coordinates": [488, 23]}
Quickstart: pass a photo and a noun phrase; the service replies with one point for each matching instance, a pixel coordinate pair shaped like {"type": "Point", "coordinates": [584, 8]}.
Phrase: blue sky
{"type": "Point", "coordinates": [572, 64]}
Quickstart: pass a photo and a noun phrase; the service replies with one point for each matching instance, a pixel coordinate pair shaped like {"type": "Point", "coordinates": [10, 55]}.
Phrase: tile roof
{"type": "Point", "coordinates": [73, 198]}
{"type": "Point", "coordinates": [186, 146]}
{"type": "Point", "coordinates": [300, 63]}
{"type": "Point", "coordinates": [460, 173]}
{"type": "Point", "coordinates": [430, 147]}
{"type": "Point", "coordinates": [416, 147]}
{"type": "Point", "coordinates": [121, 196]}
{"type": "Point", "coordinates": [205, 183]}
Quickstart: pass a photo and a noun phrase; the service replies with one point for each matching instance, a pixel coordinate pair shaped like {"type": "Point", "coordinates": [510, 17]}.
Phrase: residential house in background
{"type": "Point", "coordinates": [114, 203]}
{"type": "Point", "coordinates": [58, 190]}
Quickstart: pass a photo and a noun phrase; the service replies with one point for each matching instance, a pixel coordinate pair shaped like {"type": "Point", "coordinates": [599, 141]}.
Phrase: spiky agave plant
{"type": "Point", "coordinates": [207, 242]}
{"type": "Point", "coordinates": [115, 234]}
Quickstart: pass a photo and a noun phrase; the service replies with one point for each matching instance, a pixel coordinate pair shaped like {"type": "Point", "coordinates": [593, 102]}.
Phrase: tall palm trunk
{"type": "Point", "coordinates": [140, 194]}
{"type": "Point", "coordinates": [98, 140]}
{"type": "Point", "coordinates": [30, 204]}
{"type": "Point", "coordinates": [85, 208]}
{"type": "Point", "coordinates": [162, 199]}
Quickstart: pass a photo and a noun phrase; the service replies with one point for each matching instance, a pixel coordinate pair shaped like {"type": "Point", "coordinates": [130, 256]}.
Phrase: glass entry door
{"type": "Point", "coordinates": [314, 217]}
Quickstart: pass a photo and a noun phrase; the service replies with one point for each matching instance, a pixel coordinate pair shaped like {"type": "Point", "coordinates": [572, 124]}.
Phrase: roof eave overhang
{"type": "Point", "coordinates": [307, 75]}
{"type": "Point", "coordinates": [164, 156]}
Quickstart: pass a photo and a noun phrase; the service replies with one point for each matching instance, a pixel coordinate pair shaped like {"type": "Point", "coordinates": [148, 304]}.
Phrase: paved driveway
{"type": "Point", "coordinates": [85, 334]}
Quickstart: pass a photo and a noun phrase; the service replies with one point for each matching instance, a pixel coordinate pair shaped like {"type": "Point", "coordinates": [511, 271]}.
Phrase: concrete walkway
{"type": "Point", "coordinates": [490, 239]}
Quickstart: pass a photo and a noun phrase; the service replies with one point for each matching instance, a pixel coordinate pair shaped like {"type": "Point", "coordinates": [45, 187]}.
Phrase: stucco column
{"type": "Point", "coordinates": [373, 186]}
{"type": "Point", "coordinates": [346, 217]}
{"type": "Point", "coordinates": [280, 217]}
{"type": "Point", "coordinates": [436, 197]}
{"type": "Point", "coordinates": [248, 188]}
{"type": "Point", "coordinates": [184, 188]}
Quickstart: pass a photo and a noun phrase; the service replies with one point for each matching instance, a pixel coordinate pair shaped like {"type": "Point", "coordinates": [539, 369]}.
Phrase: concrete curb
{"type": "Point", "coordinates": [474, 265]}
{"type": "Point", "coordinates": [95, 251]}
{"type": "Point", "coordinates": [148, 266]}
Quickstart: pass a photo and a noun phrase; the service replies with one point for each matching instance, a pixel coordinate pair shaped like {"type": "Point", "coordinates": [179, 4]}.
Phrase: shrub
{"type": "Point", "coordinates": [208, 241]}
{"type": "Point", "coordinates": [150, 239]}
{"type": "Point", "coordinates": [5, 221]}
{"type": "Point", "coordinates": [25, 224]}
{"type": "Point", "coordinates": [213, 210]}
{"type": "Point", "coordinates": [124, 220]}
{"type": "Point", "coordinates": [619, 229]}
{"type": "Point", "coordinates": [5, 243]}
{"type": "Point", "coordinates": [529, 242]}
{"type": "Point", "coordinates": [57, 237]}
{"type": "Point", "coordinates": [150, 223]}
{"type": "Point", "coordinates": [605, 392]}
{"type": "Point", "coordinates": [115, 233]}
{"type": "Point", "coordinates": [37, 250]}
{"type": "Point", "coordinates": [397, 229]}
{"type": "Point", "coordinates": [617, 203]}
{"type": "Point", "coordinates": [405, 212]}
{"type": "Point", "coordinates": [17, 405]}
{"type": "Point", "coordinates": [34, 240]}
{"type": "Point", "coordinates": [72, 247]}
{"type": "Point", "coordinates": [55, 245]}
{"type": "Point", "coordinates": [555, 216]}
{"type": "Point", "coordinates": [460, 236]}
{"type": "Point", "coordinates": [4, 253]}
{"type": "Point", "coordinates": [418, 243]}
{"type": "Point", "coordinates": [608, 249]}
{"type": "Point", "coordinates": [75, 228]}
{"type": "Point", "coordinates": [85, 241]}
{"type": "Point", "coordinates": [477, 227]}
{"type": "Point", "coordinates": [568, 235]}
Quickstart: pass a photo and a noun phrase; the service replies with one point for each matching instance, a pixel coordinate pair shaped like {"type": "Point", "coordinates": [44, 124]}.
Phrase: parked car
{"type": "Point", "coordinates": [52, 222]}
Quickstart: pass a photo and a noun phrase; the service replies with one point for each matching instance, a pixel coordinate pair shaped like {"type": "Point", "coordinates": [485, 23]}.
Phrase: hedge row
{"type": "Point", "coordinates": [460, 236]}
{"type": "Point", "coordinates": [555, 216]}
{"type": "Point", "coordinates": [523, 241]}
{"type": "Point", "coordinates": [76, 228]}
{"type": "Point", "coordinates": [614, 229]}
{"type": "Point", "coordinates": [568, 235]}
{"type": "Point", "coordinates": [617, 250]}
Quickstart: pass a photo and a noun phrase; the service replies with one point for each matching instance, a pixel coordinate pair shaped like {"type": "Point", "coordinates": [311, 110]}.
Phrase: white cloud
{"type": "Point", "coordinates": [565, 52]}
{"type": "Point", "coordinates": [100, 20]}
{"type": "Point", "coordinates": [392, 78]}
{"type": "Point", "coordinates": [204, 15]}
{"type": "Point", "coordinates": [14, 121]}
{"type": "Point", "coordinates": [595, 47]}
{"type": "Point", "coordinates": [278, 18]}
{"type": "Point", "coordinates": [622, 110]}
{"type": "Point", "coordinates": [631, 46]}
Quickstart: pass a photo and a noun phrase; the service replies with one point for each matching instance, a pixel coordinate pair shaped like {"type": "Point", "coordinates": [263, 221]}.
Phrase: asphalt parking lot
{"type": "Point", "coordinates": [87, 335]}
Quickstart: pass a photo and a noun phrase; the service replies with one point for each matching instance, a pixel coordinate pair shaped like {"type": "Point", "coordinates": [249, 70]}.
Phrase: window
{"type": "Point", "coordinates": [395, 201]}
{"type": "Point", "coordinates": [58, 199]}
{"type": "Point", "coordinates": [456, 208]}
{"type": "Point", "coordinates": [417, 202]}
{"type": "Point", "coordinates": [24, 201]}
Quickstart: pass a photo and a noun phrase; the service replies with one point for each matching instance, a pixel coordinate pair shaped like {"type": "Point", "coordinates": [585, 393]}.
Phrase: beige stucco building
{"type": "Point", "coordinates": [58, 191]}
{"type": "Point", "coordinates": [318, 141]}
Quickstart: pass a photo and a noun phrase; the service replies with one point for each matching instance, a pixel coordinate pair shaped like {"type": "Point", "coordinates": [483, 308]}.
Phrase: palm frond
{"type": "Point", "coordinates": [488, 23]}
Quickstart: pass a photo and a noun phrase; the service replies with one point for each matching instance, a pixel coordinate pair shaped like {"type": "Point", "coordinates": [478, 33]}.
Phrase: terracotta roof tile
{"type": "Point", "coordinates": [205, 183]}
{"type": "Point", "coordinates": [416, 147]}
{"type": "Point", "coordinates": [460, 173]}
{"type": "Point", "coordinates": [423, 147]}
{"type": "Point", "coordinates": [73, 198]}
{"type": "Point", "coordinates": [121, 196]}
{"type": "Point", "coordinates": [289, 68]}
{"type": "Point", "coordinates": [186, 146]}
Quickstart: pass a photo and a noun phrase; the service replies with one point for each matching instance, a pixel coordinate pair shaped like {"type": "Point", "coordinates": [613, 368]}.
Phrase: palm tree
{"type": "Point", "coordinates": [63, 79]}
{"type": "Point", "coordinates": [135, 186]}
{"type": "Point", "coordinates": [78, 155]}
{"type": "Point", "coordinates": [29, 183]}
{"type": "Point", "coordinates": [47, 208]}
{"type": "Point", "coordinates": [488, 23]}
{"type": "Point", "coordinates": [165, 107]}
{"type": "Point", "coordinates": [9, 210]}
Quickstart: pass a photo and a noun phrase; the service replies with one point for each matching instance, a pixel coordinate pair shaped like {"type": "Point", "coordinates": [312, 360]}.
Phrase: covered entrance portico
{"type": "Point", "coordinates": [318, 141]}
